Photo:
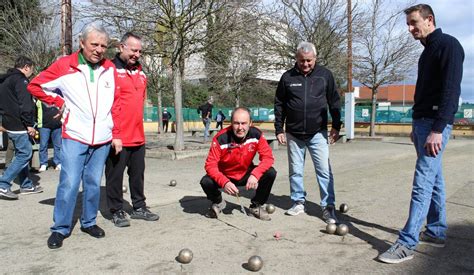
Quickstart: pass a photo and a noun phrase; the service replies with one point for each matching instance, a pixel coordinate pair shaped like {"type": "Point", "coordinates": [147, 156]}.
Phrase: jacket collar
{"type": "Point", "coordinates": [435, 35]}
{"type": "Point", "coordinates": [299, 72]}
{"type": "Point", "coordinates": [75, 61]}
{"type": "Point", "coordinates": [120, 64]}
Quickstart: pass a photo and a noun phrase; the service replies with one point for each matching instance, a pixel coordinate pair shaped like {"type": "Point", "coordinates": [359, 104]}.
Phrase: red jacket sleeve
{"type": "Point", "coordinates": [116, 108]}
{"type": "Point", "coordinates": [46, 80]}
{"type": "Point", "coordinates": [265, 156]}
{"type": "Point", "coordinates": [212, 164]}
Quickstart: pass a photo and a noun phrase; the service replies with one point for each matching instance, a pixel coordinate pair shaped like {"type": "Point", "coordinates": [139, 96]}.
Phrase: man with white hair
{"type": "Point", "coordinates": [89, 111]}
{"type": "Point", "coordinates": [302, 99]}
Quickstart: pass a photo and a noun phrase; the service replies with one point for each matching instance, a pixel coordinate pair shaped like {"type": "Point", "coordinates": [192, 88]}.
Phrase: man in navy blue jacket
{"type": "Point", "coordinates": [436, 101]}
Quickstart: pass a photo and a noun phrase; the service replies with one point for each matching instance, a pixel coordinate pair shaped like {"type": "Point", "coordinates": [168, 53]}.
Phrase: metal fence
{"type": "Point", "coordinates": [386, 114]}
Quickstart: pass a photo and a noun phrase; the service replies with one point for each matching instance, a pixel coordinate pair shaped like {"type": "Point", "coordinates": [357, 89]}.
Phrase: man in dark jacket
{"type": "Point", "coordinates": [206, 114]}
{"type": "Point", "coordinates": [437, 92]}
{"type": "Point", "coordinates": [166, 116]}
{"type": "Point", "coordinates": [301, 104]}
{"type": "Point", "coordinates": [49, 126]}
{"type": "Point", "coordinates": [18, 121]}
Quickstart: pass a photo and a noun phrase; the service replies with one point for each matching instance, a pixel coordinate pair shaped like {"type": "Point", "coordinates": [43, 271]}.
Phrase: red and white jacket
{"type": "Point", "coordinates": [228, 159]}
{"type": "Point", "coordinates": [131, 81]}
{"type": "Point", "coordinates": [91, 98]}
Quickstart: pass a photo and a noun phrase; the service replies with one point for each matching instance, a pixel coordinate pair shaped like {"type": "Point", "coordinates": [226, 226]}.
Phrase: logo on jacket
{"type": "Point", "coordinates": [107, 84]}
{"type": "Point", "coordinates": [296, 84]}
{"type": "Point", "coordinates": [251, 147]}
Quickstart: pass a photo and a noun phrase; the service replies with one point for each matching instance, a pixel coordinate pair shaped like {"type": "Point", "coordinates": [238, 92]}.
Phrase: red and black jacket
{"type": "Point", "coordinates": [230, 158]}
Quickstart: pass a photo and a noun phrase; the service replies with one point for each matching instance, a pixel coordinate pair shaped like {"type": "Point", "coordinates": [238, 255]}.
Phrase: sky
{"type": "Point", "coordinates": [456, 18]}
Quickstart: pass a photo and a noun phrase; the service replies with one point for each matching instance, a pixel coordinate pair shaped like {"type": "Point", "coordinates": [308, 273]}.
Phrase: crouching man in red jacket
{"type": "Point", "coordinates": [229, 164]}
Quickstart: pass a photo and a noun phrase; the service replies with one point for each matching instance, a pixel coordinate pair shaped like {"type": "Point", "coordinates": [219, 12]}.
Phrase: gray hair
{"type": "Point", "coordinates": [92, 27]}
{"type": "Point", "coordinates": [306, 47]}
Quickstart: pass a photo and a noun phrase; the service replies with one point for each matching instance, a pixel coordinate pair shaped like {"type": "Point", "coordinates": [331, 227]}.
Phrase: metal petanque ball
{"type": "Point", "coordinates": [124, 188]}
{"type": "Point", "coordinates": [255, 263]}
{"type": "Point", "coordinates": [331, 228]}
{"type": "Point", "coordinates": [173, 183]}
{"type": "Point", "coordinates": [185, 256]}
{"type": "Point", "coordinates": [342, 229]}
{"type": "Point", "coordinates": [343, 208]}
{"type": "Point", "coordinates": [270, 208]}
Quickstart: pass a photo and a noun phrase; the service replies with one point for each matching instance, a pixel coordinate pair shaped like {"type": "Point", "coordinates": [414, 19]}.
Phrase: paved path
{"type": "Point", "coordinates": [373, 177]}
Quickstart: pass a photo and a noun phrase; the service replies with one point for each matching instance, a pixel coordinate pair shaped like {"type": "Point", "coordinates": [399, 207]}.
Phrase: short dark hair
{"type": "Point", "coordinates": [127, 35]}
{"type": "Point", "coordinates": [424, 10]}
{"type": "Point", "coordinates": [240, 109]}
{"type": "Point", "coordinates": [23, 61]}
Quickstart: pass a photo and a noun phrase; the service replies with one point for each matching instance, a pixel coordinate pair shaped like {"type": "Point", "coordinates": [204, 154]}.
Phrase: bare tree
{"type": "Point", "coordinates": [234, 60]}
{"type": "Point", "coordinates": [30, 31]}
{"type": "Point", "coordinates": [175, 29]}
{"type": "Point", "coordinates": [384, 51]}
{"type": "Point", "coordinates": [322, 22]}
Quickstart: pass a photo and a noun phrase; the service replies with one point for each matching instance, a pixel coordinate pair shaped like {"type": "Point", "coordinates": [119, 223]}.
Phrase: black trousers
{"type": "Point", "coordinates": [219, 123]}
{"type": "Point", "coordinates": [165, 126]}
{"type": "Point", "coordinates": [134, 159]}
{"type": "Point", "coordinates": [211, 188]}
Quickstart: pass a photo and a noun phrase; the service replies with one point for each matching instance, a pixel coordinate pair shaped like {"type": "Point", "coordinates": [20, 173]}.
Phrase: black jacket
{"type": "Point", "coordinates": [205, 109]}
{"type": "Point", "coordinates": [46, 116]}
{"type": "Point", "coordinates": [301, 102]}
{"type": "Point", "coordinates": [438, 86]}
{"type": "Point", "coordinates": [15, 101]}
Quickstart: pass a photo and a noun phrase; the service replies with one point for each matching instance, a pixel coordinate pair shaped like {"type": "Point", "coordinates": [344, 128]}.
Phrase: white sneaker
{"type": "Point", "coordinates": [296, 209]}
{"type": "Point", "coordinates": [58, 167]}
{"type": "Point", "coordinates": [42, 168]}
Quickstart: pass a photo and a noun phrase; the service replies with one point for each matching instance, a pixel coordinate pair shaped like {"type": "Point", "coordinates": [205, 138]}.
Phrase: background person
{"type": "Point", "coordinates": [206, 114]}
{"type": "Point", "coordinates": [220, 117]}
{"type": "Point", "coordinates": [49, 125]}
{"type": "Point", "coordinates": [18, 120]}
{"type": "Point", "coordinates": [166, 116]}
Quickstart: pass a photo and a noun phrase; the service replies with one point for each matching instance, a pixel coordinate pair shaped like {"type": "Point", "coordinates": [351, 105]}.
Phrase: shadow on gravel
{"type": "Point", "coordinates": [454, 258]}
{"type": "Point", "coordinates": [103, 209]}
{"type": "Point", "coordinates": [200, 205]}
{"type": "Point", "coordinates": [313, 209]}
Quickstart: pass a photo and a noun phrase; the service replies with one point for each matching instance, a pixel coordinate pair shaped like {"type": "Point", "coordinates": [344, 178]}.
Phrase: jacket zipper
{"type": "Point", "coordinates": [305, 102]}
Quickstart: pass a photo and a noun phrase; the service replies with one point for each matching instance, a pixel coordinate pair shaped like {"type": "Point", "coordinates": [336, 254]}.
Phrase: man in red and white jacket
{"type": "Point", "coordinates": [89, 105]}
{"type": "Point", "coordinates": [132, 83]}
{"type": "Point", "coordinates": [230, 164]}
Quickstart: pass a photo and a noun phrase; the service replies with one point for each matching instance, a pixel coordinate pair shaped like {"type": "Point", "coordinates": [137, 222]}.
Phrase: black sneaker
{"type": "Point", "coordinates": [32, 190]}
{"type": "Point", "coordinates": [119, 218]}
{"type": "Point", "coordinates": [144, 214]}
{"type": "Point", "coordinates": [427, 239]}
{"type": "Point", "coordinates": [8, 194]}
{"type": "Point", "coordinates": [329, 214]}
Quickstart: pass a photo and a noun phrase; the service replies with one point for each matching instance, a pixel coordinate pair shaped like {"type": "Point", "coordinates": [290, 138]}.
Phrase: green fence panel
{"type": "Point", "coordinates": [385, 114]}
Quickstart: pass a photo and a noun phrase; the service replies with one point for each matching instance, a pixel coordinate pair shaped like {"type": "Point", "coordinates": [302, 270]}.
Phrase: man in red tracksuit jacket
{"type": "Point", "coordinates": [230, 164]}
{"type": "Point", "coordinates": [132, 84]}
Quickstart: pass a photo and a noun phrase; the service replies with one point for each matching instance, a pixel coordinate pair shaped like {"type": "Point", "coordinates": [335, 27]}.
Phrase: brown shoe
{"type": "Point", "coordinates": [260, 213]}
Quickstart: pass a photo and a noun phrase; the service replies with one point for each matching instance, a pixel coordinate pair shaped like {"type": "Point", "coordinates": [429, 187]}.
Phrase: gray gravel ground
{"type": "Point", "coordinates": [372, 177]}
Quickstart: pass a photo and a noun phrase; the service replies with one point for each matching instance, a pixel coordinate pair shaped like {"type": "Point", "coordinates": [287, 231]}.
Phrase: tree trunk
{"type": "Point", "coordinates": [177, 87]}
{"type": "Point", "coordinates": [160, 104]}
{"type": "Point", "coordinates": [373, 113]}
